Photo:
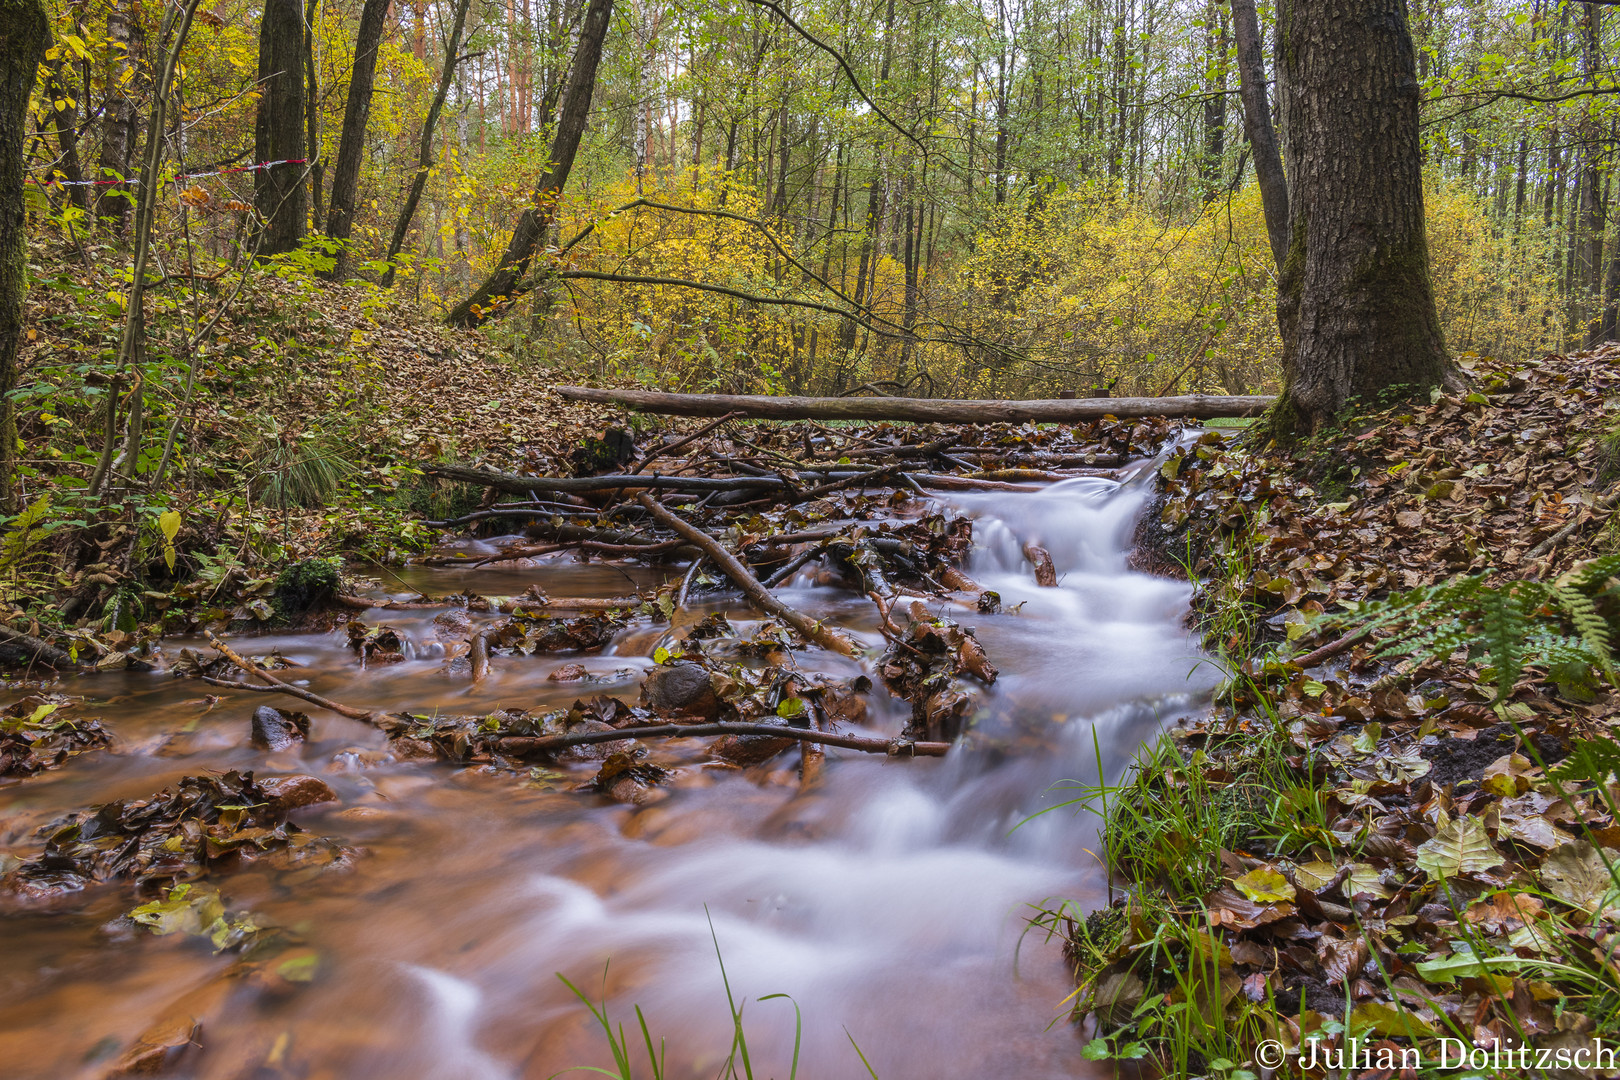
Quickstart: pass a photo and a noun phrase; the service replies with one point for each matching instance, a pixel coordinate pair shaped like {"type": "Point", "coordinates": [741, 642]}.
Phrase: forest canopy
{"type": "Point", "coordinates": [1015, 198]}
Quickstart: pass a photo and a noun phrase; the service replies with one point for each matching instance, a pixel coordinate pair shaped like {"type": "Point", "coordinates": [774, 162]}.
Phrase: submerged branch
{"type": "Point", "coordinates": [892, 747]}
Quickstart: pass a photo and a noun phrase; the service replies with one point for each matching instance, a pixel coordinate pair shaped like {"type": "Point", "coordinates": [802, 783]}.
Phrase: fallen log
{"type": "Point", "coordinates": [42, 651]}
{"type": "Point", "coordinates": [546, 744]}
{"type": "Point", "coordinates": [739, 573]}
{"type": "Point", "coordinates": [923, 410]}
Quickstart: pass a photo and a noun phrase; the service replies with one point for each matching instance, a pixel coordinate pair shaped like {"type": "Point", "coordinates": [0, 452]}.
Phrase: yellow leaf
{"type": "Point", "coordinates": [1264, 885]}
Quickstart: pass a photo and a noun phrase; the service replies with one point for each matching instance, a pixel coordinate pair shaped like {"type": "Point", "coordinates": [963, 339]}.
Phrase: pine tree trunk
{"type": "Point", "coordinates": [279, 193]}
{"type": "Point", "coordinates": [1355, 303]}
{"type": "Point", "coordinates": [533, 224]}
{"type": "Point", "coordinates": [24, 33]}
{"type": "Point", "coordinates": [352, 144]}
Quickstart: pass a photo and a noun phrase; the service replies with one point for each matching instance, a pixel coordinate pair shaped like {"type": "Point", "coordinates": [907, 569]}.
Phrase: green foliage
{"type": "Point", "coordinates": [24, 562]}
{"type": "Point", "coordinates": [1561, 625]}
{"type": "Point", "coordinates": [300, 472]}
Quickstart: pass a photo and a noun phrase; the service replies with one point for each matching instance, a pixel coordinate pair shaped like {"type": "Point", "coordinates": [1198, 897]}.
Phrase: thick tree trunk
{"type": "Point", "coordinates": [424, 154]}
{"type": "Point", "coordinates": [279, 193]}
{"type": "Point", "coordinates": [24, 33]}
{"type": "Point", "coordinates": [1355, 304]}
{"type": "Point", "coordinates": [352, 144]}
{"type": "Point", "coordinates": [922, 410]}
{"type": "Point", "coordinates": [536, 221]}
{"type": "Point", "coordinates": [1262, 137]}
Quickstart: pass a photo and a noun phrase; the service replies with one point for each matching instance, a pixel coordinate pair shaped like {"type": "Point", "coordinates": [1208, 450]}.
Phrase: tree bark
{"type": "Point", "coordinates": [66, 119]}
{"type": "Point", "coordinates": [1355, 303]}
{"type": "Point", "coordinates": [312, 112]}
{"type": "Point", "coordinates": [1268, 168]}
{"type": "Point", "coordinates": [923, 410]}
{"type": "Point", "coordinates": [352, 144]}
{"type": "Point", "coordinates": [24, 33]}
{"type": "Point", "coordinates": [536, 220]}
{"type": "Point", "coordinates": [279, 193]}
{"type": "Point", "coordinates": [114, 201]}
{"type": "Point", "coordinates": [424, 153]}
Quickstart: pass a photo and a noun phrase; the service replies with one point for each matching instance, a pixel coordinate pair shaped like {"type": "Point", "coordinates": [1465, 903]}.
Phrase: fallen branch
{"type": "Point", "coordinates": [43, 651]}
{"type": "Point", "coordinates": [523, 485]}
{"type": "Point", "coordinates": [926, 410]}
{"type": "Point", "coordinates": [310, 696]}
{"type": "Point", "coordinates": [666, 451]}
{"type": "Point", "coordinates": [757, 594]}
{"type": "Point", "coordinates": [894, 747]}
{"type": "Point", "coordinates": [1331, 649]}
{"type": "Point", "coordinates": [1569, 530]}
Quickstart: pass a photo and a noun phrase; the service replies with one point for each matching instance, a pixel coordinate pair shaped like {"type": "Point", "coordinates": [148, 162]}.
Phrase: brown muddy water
{"type": "Point", "coordinates": [889, 904]}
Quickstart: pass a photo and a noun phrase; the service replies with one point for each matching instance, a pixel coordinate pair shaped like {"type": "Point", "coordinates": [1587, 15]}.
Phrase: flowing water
{"type": "Point", "coordinates": [890, 903]}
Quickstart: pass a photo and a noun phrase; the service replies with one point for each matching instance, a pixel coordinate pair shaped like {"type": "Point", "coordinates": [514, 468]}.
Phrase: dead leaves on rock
{"type": "Point", "coordinates": [927, 665]}
{"type": "Point", "coordinates": [202, 823]}
{"type": "Point", "coordinates": [37, 734]}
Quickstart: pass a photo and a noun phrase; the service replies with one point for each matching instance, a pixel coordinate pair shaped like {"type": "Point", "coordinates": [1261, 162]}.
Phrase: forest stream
{"type": "Point", "coordinates": [890, 903]}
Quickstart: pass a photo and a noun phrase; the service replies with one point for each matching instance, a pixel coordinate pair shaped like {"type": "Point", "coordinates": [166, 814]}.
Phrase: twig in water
{"type": "Point", "coordinates": [757, 594]}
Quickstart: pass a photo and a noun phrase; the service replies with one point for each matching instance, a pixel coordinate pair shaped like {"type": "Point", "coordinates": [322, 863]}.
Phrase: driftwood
{"type": "Point", "coordinates": [924, 410]}
{"type": "Point", "coordinates": [739, 573]}
{"type": "Point", "coordinates": [546, 744]}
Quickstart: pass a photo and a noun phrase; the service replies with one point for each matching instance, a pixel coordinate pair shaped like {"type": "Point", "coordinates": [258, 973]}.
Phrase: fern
{"type": "Point", "coordinates": [1562, 625]}
{"type": "Point", "coordinates": [22, 558]}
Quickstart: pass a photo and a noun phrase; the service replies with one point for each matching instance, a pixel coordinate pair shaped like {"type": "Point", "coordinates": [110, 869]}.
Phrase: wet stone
{"type": "Point", "coordinates": [278, 729]}
{"type": "Point", "coordinates": [681, 690]}
{"type": "Point", "coordinates": [288, 793]}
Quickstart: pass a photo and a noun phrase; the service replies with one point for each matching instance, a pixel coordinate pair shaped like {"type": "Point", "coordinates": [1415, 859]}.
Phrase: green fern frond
{"type": "Point", "coordinates": [1592, 627]}
{"type": "Point", "coordinates": [1503, 625]}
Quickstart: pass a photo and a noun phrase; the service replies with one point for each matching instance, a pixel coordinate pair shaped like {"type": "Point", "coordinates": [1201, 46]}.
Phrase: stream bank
{"type": "Point", "coordinates": [1399, 823]}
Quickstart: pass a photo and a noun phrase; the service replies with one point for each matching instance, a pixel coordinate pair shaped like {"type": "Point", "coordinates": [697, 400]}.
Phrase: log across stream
{"type": "Point", "coordinates": [888, 901]}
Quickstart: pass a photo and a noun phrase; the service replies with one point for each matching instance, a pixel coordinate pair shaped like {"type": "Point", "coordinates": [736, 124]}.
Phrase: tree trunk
{"type": "Point", "coordinates": [66, 118]}
{"type": "Point", "coordinates": [535, 221]}
{"type": "Point", "coordinates": [114, 201]}
{"type": "Point", "coordinates": [1355, 304]}
{"type": "Point", "coordinates": [279, 193]}
{"type": "Point", "coordinates": [24, 33]}
{"type": "Point", "coordinates": [424, 156]}
{"type": "Point", "coordinates": [352, 145]}
{"type": "Point", "coordinates": [1214, 102]}
{"type": "Point", "coordinates": [1268, 168]}
{"type": "Point", "coordinates": [312, 111]}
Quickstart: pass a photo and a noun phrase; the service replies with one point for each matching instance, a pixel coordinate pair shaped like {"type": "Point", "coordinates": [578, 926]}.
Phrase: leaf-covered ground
{"type": "Point", "coordinates": [1400, 823]}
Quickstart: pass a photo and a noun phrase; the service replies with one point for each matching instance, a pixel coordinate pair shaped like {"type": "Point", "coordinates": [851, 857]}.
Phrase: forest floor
{"type": "Point", "coordinates": [1398, 822]}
